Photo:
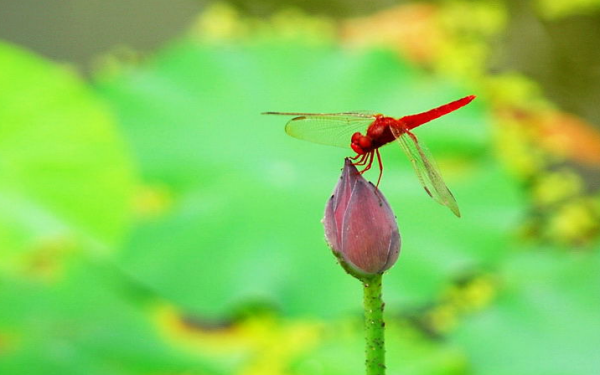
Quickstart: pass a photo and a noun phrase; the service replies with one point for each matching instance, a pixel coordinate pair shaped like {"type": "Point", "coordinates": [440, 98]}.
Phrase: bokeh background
{"type": "Point", "coordinates": [153, 222]}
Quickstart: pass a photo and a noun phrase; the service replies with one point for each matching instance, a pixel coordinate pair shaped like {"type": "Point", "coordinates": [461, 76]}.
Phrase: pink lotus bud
{"type": "Point", "coordinates": [360, 226]}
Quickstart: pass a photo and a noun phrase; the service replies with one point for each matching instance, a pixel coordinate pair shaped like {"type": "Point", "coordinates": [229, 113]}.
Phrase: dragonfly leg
{"type": "Point", "coordinates": [380, 166]}
{"type": "Point", "coordinates": [362, 160]}
{"type": "Point", "coordinates": [370, 157]}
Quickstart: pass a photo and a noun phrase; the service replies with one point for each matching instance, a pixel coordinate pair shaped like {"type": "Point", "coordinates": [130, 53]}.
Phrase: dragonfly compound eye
{"type": "Point", "coordinates": [361, 144]}
{"type": "Point", "coordinates": [365, 143]}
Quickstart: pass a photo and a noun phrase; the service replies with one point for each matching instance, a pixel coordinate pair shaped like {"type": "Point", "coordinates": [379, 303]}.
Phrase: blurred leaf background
{"type": "Point", "coordinates": [153, 222]}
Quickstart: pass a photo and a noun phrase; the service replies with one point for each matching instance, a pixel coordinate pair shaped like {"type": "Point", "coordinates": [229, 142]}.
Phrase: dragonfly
{"type": "Point", "coordinates": [365, 132]}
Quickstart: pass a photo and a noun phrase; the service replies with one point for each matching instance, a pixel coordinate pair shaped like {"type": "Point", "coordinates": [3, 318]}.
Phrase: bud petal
{"type": "Point", "coordinates": [360, 226]}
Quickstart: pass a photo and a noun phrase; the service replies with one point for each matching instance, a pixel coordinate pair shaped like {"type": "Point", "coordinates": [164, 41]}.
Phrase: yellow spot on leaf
{"type": "Point", "coordinates": [575, 222]}
{"type": "Point", "coordinates": [556, 186]}
{"type": "Point", "coordinates": [262, 344]}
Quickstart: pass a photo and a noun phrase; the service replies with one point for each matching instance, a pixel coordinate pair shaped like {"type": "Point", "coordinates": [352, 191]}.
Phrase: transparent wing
{"type": "Point", "coordinates": [426, 170]}
{"type": "Point", "coordinates": [363, 114]}
{"type": "Point", "coordinates": [332, 129]}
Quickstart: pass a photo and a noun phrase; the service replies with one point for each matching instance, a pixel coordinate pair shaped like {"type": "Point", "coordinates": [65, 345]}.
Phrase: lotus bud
{"type": "Point", "coordinates": [360, 226]}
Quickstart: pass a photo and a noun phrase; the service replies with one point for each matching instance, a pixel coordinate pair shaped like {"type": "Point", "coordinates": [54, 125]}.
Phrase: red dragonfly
{"type": "Point", "coordinates": [366, 132]}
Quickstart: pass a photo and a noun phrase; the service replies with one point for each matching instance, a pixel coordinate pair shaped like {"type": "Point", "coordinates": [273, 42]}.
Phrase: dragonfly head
{"type": "Point", "coordinates": [361, 144]}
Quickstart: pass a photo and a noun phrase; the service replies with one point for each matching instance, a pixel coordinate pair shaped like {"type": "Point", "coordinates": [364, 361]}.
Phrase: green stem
{"type": "Point", "coordinates": [374, 325]}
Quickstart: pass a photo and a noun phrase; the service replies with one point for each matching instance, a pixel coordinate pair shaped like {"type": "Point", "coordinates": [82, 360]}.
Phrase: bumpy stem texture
{"type": "Point", "coordinates": [374, 326]}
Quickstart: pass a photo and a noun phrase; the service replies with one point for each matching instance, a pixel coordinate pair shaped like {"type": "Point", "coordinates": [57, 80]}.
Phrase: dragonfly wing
{"type": "Point", "coordinates": [333, 129]}
{"type": "Point", "coordinates": [426, 170]}
{"type": "Point", "coordinates": [363, 114]}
